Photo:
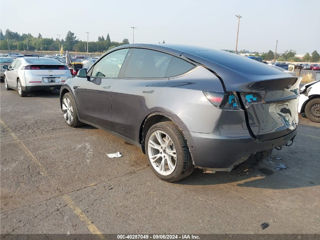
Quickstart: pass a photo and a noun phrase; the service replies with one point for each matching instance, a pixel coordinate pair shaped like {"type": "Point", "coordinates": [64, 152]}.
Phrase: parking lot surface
{"type": "Point", "coordinates": [56, 179]}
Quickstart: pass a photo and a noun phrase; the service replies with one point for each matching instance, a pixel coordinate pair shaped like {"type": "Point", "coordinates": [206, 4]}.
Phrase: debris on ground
{"type": "Point", "coordinates": [280, 167]}
{"type": "Point", "coordinates": [114, 155]}
{"type": "Point", "coordinates": [264, 225]}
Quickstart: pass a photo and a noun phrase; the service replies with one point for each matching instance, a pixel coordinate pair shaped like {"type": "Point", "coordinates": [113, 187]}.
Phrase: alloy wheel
{"type": "Point", "coordinates": [162, 153]}
{"type": "Point", "coordinates": [67, 110]}
{"type": "Point", "coordinates": [315, 110]}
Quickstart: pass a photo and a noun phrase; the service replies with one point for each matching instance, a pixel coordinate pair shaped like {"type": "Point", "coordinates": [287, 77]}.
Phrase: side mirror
{"type": "Point", "coordinates": [82, 73]}
{"type": "Point", "coordinates": [5, 67]}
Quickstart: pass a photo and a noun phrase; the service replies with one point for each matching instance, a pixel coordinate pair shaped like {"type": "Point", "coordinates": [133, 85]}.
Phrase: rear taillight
{"type": "Point", "coordinates": [29, 67]}
{"type": "Point", "coordinates": [251, 98]}
{"type": "Point", "coordinates": [215, 98]}
{"type": "Point", "coordinates": [227, 101]}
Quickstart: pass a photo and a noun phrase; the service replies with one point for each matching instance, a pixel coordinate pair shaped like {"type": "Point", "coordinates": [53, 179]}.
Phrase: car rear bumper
{"type": "Point", "coordinates": [210, 151]}
{"type": "Point", "coordinates": [42, 87]}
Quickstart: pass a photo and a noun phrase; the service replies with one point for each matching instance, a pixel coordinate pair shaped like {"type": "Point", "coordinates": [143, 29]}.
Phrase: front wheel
{"type": "Point", "coordinates": [69, 110]}
{"type": "Point", "coordinates": [168, 152]}
{"type": "Point", "coordinates": [312, 110]}
{"type": "Point", "coordinates": [6, 86]}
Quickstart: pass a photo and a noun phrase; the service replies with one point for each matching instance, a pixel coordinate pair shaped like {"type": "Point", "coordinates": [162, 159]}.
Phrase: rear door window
{"type": "Point", "coordinates": [144, 63]}
{"type": "Point", "coordinates": [109, 66]}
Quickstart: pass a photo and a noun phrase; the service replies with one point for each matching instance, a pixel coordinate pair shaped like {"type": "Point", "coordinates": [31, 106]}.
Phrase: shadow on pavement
{"type": "Point", "coordinates": [257, 175]}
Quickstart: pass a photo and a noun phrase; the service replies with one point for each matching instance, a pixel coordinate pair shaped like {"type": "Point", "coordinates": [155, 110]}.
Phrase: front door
{"type": "Point", "coordinates": [94, 96]}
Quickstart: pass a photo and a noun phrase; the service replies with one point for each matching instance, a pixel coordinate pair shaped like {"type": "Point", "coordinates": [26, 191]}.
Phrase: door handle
{"type": "Point", "coordinates": [75, 87]}
{"type": "Point", "coordinates": [106, 87]}
{"type": "Point", "coordinates": [148, 91]}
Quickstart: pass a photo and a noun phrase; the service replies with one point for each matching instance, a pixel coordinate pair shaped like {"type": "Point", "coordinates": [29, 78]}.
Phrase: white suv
{"type": "Point", "coordinates": [309, 101]}
{"type": "Point", "coordinates": [27, 74]}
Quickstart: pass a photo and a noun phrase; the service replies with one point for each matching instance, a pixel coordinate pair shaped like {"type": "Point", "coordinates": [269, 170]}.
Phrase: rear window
{"type": "Point", "coordinates": [42, 61]}
{"type": "Point", "coordinates": [144, 63]}
{"type": "Point", "coordinates": [232, 61]}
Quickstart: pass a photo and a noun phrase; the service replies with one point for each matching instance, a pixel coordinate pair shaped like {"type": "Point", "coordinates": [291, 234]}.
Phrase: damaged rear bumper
{"type": "Point", "coordinates": [222, 154]}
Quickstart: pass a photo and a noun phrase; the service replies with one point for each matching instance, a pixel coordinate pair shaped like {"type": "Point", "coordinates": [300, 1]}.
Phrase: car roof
{"type": "Point", "coordinates": [211, 58]}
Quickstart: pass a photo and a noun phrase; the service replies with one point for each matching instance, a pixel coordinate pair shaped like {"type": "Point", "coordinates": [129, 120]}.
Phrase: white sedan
{"type": "Point", "coordinates": [27, 74]}
{"type": "Point", "coordinates": [309, 101]}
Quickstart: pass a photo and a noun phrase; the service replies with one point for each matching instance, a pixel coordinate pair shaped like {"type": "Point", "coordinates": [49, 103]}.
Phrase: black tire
{"type": "Point", "coordinates": [312, 110]}
{"type": "Point", "coordinates": [184, 166]}
{"type": "Point", "coordinates": [75, 120]}
{"type": "Point", "coordinates": [6, 86]}
{"type": "Point", "coordinates": [20, 90]}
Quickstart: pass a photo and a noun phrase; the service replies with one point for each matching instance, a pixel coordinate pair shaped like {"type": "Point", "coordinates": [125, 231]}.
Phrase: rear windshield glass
{"type": "Point", "coordinates": [232, 61]}
{"type": "Point", "coordinates": [44, 61]}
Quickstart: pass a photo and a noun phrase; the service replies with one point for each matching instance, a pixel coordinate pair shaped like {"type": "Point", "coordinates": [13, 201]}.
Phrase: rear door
{"type": "Point", "coordinates": [12, 73]}
{"type": "Point", "coordinates": [94, 97]}
{"type": "Point", "coordinates": [140, 84]}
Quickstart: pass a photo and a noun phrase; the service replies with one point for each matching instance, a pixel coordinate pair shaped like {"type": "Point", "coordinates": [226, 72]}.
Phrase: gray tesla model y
{"type": "Point", "coordinates": [185, 106]}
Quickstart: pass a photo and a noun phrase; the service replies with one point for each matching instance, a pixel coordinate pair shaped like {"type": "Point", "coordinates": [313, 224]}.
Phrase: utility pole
{"type": "Point", "coordinates": [275, 52]}
{"type": "Point", "coordinates": [133, 28]}
{"type": "Point", "coordinates": [238, 16]}
{"type": "Point", "coordinates": [87, 41]}
{"type": "Point", "coordinates": [58, 35]}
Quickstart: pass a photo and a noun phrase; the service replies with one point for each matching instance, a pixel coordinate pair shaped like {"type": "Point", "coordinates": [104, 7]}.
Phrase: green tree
{"type": "Point", "coordinates": [80, 46]}
{"type": "Point", "coordinates": [306, 57]}
{"type": "Point", "coordinates": [125, 41]}
{"type": "Point", "coordinates": [1, 35]}
{"type": "Point", "coordinates": [315, 57]}
{"type": "Point", "coordinates": [108, 42]}
{"type": "Point", "coordinates": [288, 55]}
{"type": "Point", "coordinates": [70, 41]}
{"type": "Point", "coordinates": [268, 56]}
{"type": "Point", "coordinates": [101, 39]}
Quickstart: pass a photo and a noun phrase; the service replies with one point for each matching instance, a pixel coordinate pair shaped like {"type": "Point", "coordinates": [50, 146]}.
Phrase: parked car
{"type": "Point", "coordinates": [315, 67]}
{"type": "Point", "coordinates": [185, 107]}
{"type": "Point", "coordinates": [306, 67]}
{"type": "Point", "coordinates": [4, 61]}
{"type": "Point", "coordinates": [27, 74]}
{"type": "Point", "coordinates": [88, 62]}
{"type": "Point", "coordinates": [285, 66]}
{"type": "Point", "coordinates": [309, 101]}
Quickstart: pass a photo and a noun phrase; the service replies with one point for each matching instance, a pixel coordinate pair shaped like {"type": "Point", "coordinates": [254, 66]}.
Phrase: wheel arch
{"type": "Point", "coordinates": [161, 116]}
{"type": "Point", "coordinates": [63, 90]}
{"type": "Point", "coordinates": [309, 99]}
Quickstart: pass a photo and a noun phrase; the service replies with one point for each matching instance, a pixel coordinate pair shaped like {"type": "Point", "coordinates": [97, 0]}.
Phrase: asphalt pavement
{"type": "Point", "coordinates": [57, 179]}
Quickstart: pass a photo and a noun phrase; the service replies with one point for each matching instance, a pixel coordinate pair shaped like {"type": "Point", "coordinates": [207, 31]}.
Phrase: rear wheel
{"type": "Point", "coordinates": [69, 110]}
{"type": "Point", "coordinates": [312, 110]}
{"type": "Point", "coordinates": [20, 90]}
{"type": "Point", "coordinates": [168, 152]}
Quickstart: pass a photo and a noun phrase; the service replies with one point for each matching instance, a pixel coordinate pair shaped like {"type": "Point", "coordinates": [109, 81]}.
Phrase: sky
{"type": "Point", "coordinates": [208, 23]}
